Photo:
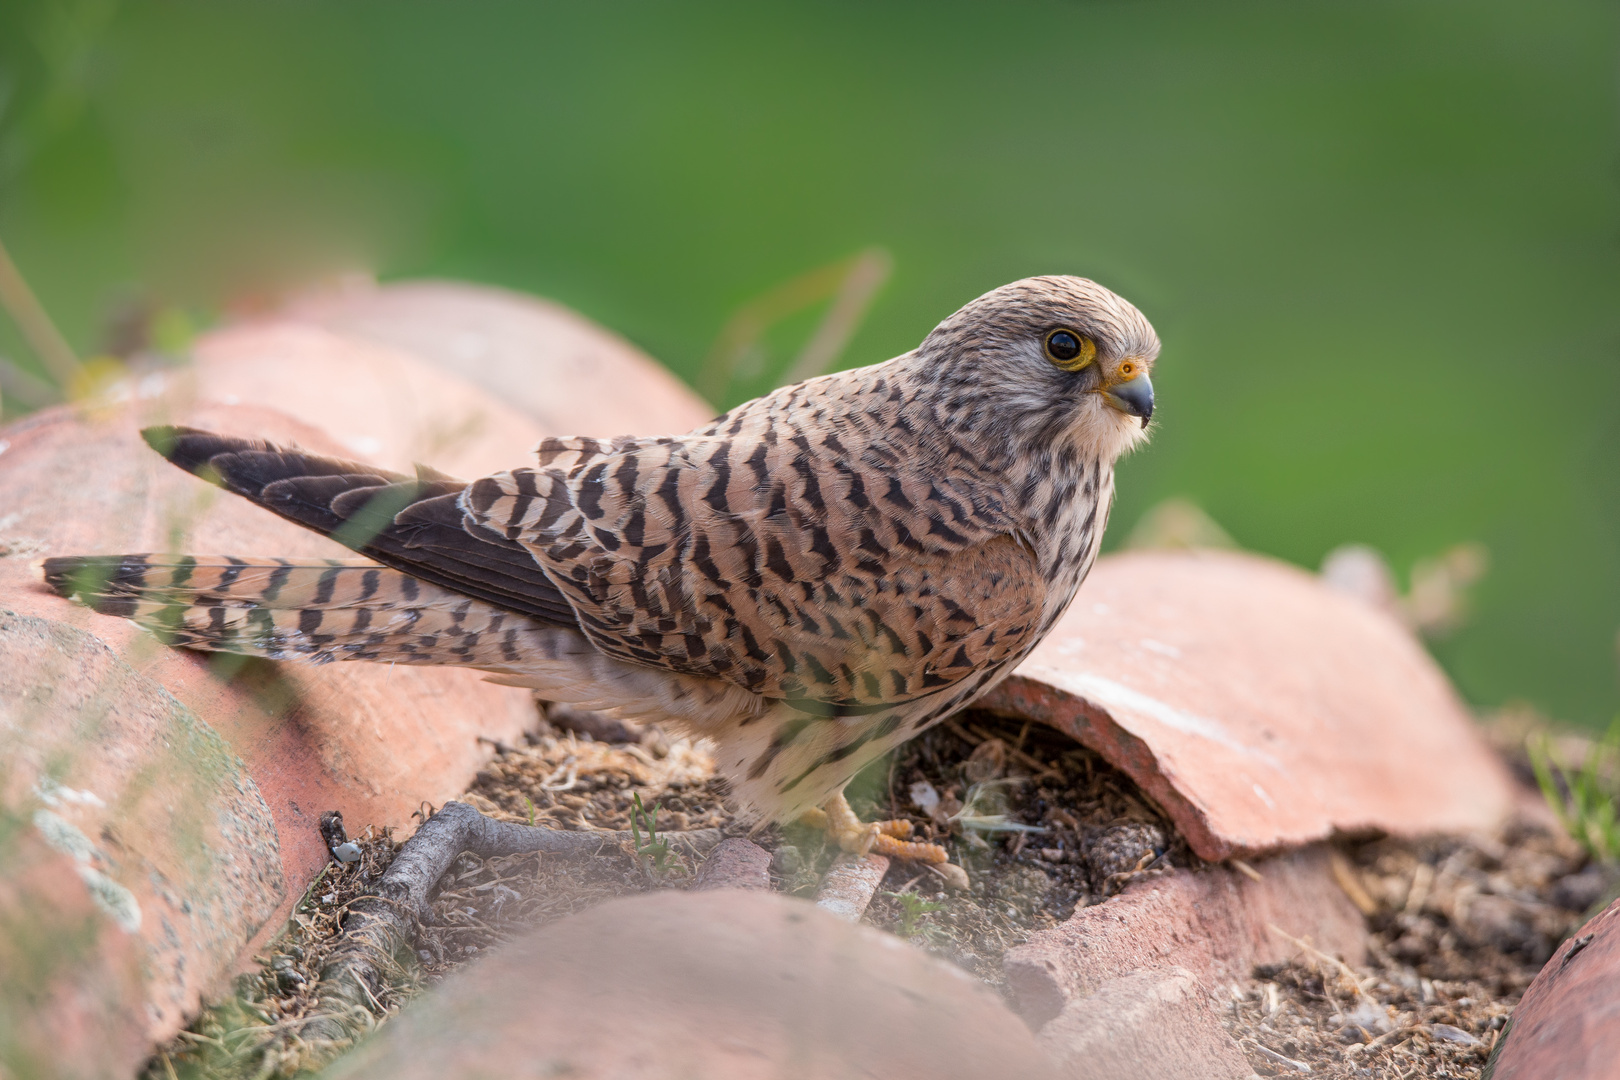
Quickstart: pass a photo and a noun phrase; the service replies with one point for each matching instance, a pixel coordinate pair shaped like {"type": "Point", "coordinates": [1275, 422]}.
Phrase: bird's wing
{"type": "Point", "coordinates": [413, 524]}
{"type": "Point", "coordinates": [843, 582]}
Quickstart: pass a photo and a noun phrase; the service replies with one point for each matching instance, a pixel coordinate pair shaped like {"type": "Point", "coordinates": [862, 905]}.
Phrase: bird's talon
{"type": "Point", "coordinates": [861, 841]}
{"type": "Point", "coordinates": [884, 838]}
{"type": "Point", "coordinates": [899, 828]}
{"type": "Point", "coordinates": [902, 849]}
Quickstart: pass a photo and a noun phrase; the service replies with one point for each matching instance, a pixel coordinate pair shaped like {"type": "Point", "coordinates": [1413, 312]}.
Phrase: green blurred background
{"type": "Point", "coordinates": [1380, 240]}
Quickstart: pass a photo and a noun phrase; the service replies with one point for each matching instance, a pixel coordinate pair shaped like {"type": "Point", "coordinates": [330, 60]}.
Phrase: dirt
{"type": "Point", "coordinates": [1460, 926]}
{"type": "Point", "coordinates": [1042, 826]}
{"type": "Point", "coordinates": [556, 778]}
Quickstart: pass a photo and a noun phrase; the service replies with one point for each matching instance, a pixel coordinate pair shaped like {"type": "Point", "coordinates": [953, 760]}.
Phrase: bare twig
{"type": "Point", "coordinates": [850, 882]}
{"type": "Point", "coordinates": [851, 285]}
{"type": "Point", "coordinates": [867, 273]}
{"type": "Point", "coordinates": [31, 318]}
{"type": "Point", "coordinates": [1324, 961]}
{"type": "Point", "coordinates": [380, 928]}
{"type": "Point", "coordinates": [1245, 869]}
{"type": "Point", "coordinates": [1277, 1059]}
{"type": "Point", "coordinates": [1350, 882]}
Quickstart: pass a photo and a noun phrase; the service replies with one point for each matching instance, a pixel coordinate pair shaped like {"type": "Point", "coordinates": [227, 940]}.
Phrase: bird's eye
{"type": "Point", "coordinates": [1069, 350]}
{"type": "Point", "coordinates": [1127, 369]}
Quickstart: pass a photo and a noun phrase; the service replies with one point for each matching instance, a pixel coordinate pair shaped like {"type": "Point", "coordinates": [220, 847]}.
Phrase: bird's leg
{"type": "Point", "coordinates": [876, 838]}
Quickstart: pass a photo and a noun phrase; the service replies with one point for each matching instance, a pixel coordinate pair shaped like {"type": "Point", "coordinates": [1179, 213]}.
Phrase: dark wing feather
{"type": "Point", "coordinates": [413, 524]}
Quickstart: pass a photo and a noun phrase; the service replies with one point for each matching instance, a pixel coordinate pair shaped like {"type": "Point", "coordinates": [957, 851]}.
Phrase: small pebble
{"type": "Point", "coordinates": [955, 876]}
{"type": "Point", "coordinates": [347, 852]}
{"type": "Point", "coordinates": [924, 797]}
{"type": "Point", "coordinates": [1453, 1034]}
{"type": "Point", "coordinates": [786, 860]}
{"type": "Point", "coordinates": [1577, 892]}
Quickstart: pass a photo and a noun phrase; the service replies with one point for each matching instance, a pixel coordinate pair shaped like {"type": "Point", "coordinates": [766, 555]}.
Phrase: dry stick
{"type": "Point", "coordinates": [1246, 870]}
{"type": "Point", "coordinates": [1277, 1059]}
{"type": "Point", "coordinates": [867, 273]}
{"type": "Point", "coordinates": [847, 889]}
{"type": "Point", "coordinates": [1042, 769]}
{"type": "Point", "coordinates": [380, 927]}
{"type": "Point", "coordinates": [36, 325]}
{"type": "Point", "coordinates": [1397, 1034]}
{"type": "Point", "coordinates": [1345, 971]}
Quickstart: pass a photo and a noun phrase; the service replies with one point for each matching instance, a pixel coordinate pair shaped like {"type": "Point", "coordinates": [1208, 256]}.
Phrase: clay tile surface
{"type": "Point", "coordinates": [364, 739]}
{"type": "Point", "coordinates": [567, 373]}
{"type": "Point", "coordinates": [725, 985]}
{"type": "Point", "coordinates": [1215, 924]}
{"type": "Point", "coordinates": [166, 849]}
{"type": "Point", "coordinates": [379, 404]}
{"type": "Point", "coordinates": [735, 863]}
{"type": "Point", "coordinates": [72, 1012]}
{"type": "Point", "coordinates": [1149, 1025]}
{"type": "Point", "coordinates": [1567, 1025]}
{"type": "Point", "coordinates": [1260, 708]}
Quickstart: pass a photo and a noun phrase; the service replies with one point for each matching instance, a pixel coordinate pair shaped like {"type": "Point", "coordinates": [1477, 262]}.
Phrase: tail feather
{"type": "Point", "coordinates": [317, 612]}
{"type": "Point", "coordinates": [320, 612]}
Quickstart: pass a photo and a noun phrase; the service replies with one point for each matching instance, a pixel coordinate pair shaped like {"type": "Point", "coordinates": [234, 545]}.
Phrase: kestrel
{"type": "Point", "coordinates": [811, 579]}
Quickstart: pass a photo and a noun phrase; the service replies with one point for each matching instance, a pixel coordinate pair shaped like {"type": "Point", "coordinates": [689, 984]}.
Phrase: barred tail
{"type": "Point", "coordinates": [312, 611]}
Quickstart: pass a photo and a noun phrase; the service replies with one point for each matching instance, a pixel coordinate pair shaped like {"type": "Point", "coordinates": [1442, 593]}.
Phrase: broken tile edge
{"type": "Point", "coordinates": [1118, 1030]}
{"type": "Point", "coordinates": [1027, 695]}
{"type": "Point", "coordinates": [1214, 922]}
{"type": "Point", "coordinates": [1564, 1024]}
{"type": "Point", "coordinates": [1094, 727]}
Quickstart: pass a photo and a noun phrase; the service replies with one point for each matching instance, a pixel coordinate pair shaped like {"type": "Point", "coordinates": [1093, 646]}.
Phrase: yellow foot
{"type": "Point", "coordinates": [880, 838]}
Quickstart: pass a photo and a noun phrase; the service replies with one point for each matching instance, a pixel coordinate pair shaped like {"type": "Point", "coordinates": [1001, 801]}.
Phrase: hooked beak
{"type": "Point", "coordinates": [1134, 397]}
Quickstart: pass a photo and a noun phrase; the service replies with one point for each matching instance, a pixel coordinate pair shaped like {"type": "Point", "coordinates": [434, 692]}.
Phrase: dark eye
{"type": "Point", "coordinates": [1069, 350]}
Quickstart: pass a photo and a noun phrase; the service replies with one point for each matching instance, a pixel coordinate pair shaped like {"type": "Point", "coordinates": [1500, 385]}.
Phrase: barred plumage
{"type": "Point", "coordinates": [812, 578]}
{"type": "Point", "coordinates": [317, 612]}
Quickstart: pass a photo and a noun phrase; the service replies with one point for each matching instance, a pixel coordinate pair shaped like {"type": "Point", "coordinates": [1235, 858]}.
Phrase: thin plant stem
{"type": "Point", "coordinates": [36, 325]}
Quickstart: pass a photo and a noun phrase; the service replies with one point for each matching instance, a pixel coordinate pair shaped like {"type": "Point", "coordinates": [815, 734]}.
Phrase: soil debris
{"type": "Point", "coordinates": [1042, 826]}
{"type": "Point", "coordinates": [1459, 928]}
{"type": "Point", "coordinates": [555, 779]}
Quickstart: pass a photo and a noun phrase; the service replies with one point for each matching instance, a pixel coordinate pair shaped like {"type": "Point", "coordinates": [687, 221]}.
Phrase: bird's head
{"type": "Point", "coordinates": [1047, 360]}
